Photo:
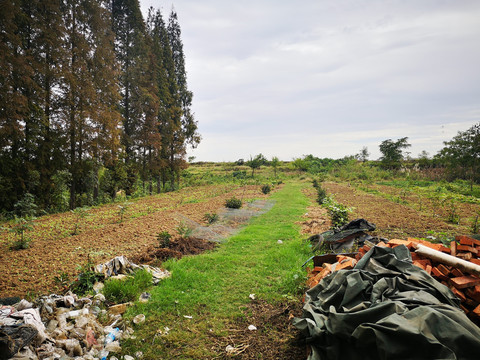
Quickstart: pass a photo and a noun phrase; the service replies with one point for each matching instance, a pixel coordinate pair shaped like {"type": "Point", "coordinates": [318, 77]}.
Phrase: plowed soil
{"type": "Point", "coordinates": [393, 220]}
{"type": "Point", "coordinates": [104, 234]}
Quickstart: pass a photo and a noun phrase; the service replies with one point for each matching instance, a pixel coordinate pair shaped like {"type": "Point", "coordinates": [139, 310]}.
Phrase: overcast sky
{"type": "Point", "coordinates": [328, 77]}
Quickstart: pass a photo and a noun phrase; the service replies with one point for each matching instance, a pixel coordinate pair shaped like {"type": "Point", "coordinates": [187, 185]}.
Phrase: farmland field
{"type": "Point", "coordinates": [103, 234]}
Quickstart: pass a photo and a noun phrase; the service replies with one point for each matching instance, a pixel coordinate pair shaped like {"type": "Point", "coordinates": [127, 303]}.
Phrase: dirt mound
{"type": "Point", "coordinates": [178, 248]}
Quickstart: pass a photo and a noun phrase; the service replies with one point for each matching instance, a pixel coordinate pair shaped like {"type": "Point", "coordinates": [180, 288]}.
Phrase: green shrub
{"type": "Point", "coordinates": [119, 291]}
{"type": "Point", "coordinates": [210, 218]}
{"type": "Point", "coordinates": [233, 203]}
{"type": "Point", "coordinates": [266, 189]}
{"type": "Point", "coordinates": [184, 230]}
{"type": "Point", "coordinates": [321, 195]}
{"type": "Point", "coordinates": [338, 213]}
{"type": "Point", "coordinates": [86, 279]}
{"type": "Point", "coordinates": [164, 239]}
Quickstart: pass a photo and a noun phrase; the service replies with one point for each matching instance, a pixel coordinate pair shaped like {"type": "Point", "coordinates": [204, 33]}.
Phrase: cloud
{"type": "Point", "coordinates": [329, 77]}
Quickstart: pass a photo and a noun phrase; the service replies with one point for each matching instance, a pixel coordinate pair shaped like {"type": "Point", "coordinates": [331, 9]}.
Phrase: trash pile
{"type": "Point", "coordinates": [68, 326]}
{"type": "Point", "coordinates": [394, 299]}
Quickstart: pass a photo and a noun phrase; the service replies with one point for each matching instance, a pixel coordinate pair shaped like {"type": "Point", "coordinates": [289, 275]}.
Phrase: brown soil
{"type": "Point", "coordinates": [155, 255]}
{"type": "Point", "coordinates": [393, 220]}
{"type": "Point", "coordinates": [275, 337]}
{"type": "Point", "coordinates": [101, 236]}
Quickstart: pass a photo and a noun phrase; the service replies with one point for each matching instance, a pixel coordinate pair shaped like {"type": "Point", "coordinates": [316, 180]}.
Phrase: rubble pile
{"type": "Point", "coordinates": [457, 267]}
{"type": "Point", "coordinates": [61, 327]}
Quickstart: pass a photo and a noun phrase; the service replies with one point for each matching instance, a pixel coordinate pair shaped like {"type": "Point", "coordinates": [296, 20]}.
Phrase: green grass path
{"type": "Point", "coordinates": [213, 288]}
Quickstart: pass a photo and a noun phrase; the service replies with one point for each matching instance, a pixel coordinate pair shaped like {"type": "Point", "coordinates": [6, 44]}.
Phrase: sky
{"type": "Point", "coordinates": [328, 77]}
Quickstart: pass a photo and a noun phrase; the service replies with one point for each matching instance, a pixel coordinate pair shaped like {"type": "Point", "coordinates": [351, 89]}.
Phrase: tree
{"type": "Point", "coordinates": [275, 162]}
{"type": "Point", "coordinates": [363, 154]}
{"type": "Point", "coordinates": [256, 162]}
{"type": "Point", "coordinates": [462, 153]}
{"type": "Point", "coordinates": [393, 152]}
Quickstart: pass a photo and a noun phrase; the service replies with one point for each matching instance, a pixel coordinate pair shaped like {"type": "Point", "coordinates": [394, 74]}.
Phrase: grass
{"type": "Point", "coordinates": [119, 291]}
{"type": "Point", "coordinates": [214, 287]}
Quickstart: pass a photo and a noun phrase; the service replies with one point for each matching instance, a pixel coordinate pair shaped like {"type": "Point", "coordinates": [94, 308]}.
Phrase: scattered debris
{"type": "Point", "coordinates": [252, 327]}
{"type": "Point", "coordinates": [252, 296]}
{"type": "Point", "coordinates": [140, 318]}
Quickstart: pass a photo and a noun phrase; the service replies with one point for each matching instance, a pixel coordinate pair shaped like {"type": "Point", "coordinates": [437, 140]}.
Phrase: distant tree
{"type": "Point", "coordinates": [256, 162]}
{"type": "Point", "coordinates": [462, 153]}
{"type": "Point", "coordinates": [275, 162]}
{"type": "Point", "coordinates": [363, 154]}
{"type": "Point", "coordinates": [393, 152]}
{"type": "Point", "coordinates": [423, 159]}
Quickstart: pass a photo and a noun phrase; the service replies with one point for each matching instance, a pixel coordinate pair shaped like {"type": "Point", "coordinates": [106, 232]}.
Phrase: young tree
{"type": "Point", "coordinates": [393, 152]}
{"type": "Point", "coordinates": [363, 154]}
{"type": "Point", "coordinates": [256, 162]}
{"type": "Point", "coordinates": [275, 162]}
{"type": "Point", "coordinates": [462, 153]}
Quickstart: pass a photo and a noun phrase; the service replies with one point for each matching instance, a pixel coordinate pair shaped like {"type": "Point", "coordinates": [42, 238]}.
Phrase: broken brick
{"type": "Point", "coordinates": [463, 282]}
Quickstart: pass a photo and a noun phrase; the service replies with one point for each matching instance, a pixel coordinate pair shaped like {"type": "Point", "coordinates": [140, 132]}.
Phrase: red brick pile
{"type": "Point", "coordinates": [465, 286]}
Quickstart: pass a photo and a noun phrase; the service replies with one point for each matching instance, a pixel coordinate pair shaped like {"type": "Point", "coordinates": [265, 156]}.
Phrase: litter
{"type": "Point", "coordinates": [140, 318]}
{"type": "Point", "coordinates": [252, 327]}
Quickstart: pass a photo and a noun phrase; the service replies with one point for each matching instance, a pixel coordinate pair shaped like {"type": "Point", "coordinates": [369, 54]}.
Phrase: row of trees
{"type": "Point", "coordinates": [460, 156]}
{"type": "Point", "coordinates": [92, 97]}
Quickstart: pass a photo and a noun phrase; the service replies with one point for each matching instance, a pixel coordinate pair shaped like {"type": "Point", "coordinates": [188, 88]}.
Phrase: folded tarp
{"type": "Point", "coordinates": [386, 308]}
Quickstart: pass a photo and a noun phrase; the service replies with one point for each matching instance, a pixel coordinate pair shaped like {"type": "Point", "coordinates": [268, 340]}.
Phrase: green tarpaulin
{"type": "Point", "coordinates": [386, 308]}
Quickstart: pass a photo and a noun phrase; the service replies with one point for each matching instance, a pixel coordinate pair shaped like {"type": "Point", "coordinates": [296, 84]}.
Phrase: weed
{"type": "Point", "coordinates": [184, 230]}
{"type": "Point", "coordinates": [62, 280]}
{"type": "Point", "coordinates": [164, 239]}
{"type": "Point", "coordinates": [86, 279]}
{"type": "Point", "coordinates": [210, 218]}
{"type": "Point", "coordinates": [475, 224]}
{"type": "Point", "coordinates": [80, 214]}
{"type": "Point", "coordinates": [122, 209]}
{"type": "Point", "coordinates": [120, 291]}
{"type": "Point", "coordinates": [233, 203]}
{"type": "Point", "coordinates": [266, 189]}
{"type": "Point", "coordinates": [452, 214]}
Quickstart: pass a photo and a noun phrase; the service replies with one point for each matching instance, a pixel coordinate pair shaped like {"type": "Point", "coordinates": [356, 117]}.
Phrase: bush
{"type": "Point", "coordinates": [338, 213]}
{"type": "Point", "coordinates": [164, 239]}
{"type": "Point", "coordinates": [87, 278]}
{"type": "Point", "coordinates": [266, 189]}
{"type": "Point", "coordinates": [210, 218]}
{"type": "Point", "coordinates": [120, 291]}
{"type": "Point", "coordinates": [321, 195]}
{"type": "Point", "coordinates": [233, 203]}
{"type": "Point", "coordinates": [184, 230]}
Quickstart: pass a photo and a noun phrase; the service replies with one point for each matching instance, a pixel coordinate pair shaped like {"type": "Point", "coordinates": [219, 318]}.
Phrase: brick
{"type": "Point", "coordinates": [366, 248]}
{"type": "Point", "coordinates": [465, 310]}
{"type": "Point", "coordinates": [475, 261]}
{"type": "Point", "coordinates": [465, 255]}
{"type": "Point", "coordinates": [463, 282]}
{"type": "Point", "coordinates": [473, 293]}
{"type": "Point", "coordinates": [467, 240]}
{"type": "Point", "coordinates": [453, 248]}
{"type": "Point", "coordinates": [346, 265]}
{"type": "Point", "coordinates": [317, 269]}
{"type": "Point", "coordinates": [381, 244]}
{"type": "Point", "coordinates": [467, 248]}
{"type": "Point", "coordinates": [445, 270]}
{"type": "Point", "coordinates": [415, 256]}
{"type": "Point", "coordinates": [457, 272]}
{"type": "Point", "coordinates": [428, 269]}
{"type": "Point", "coordinates": [438, 274]}
{"type": "Point", "coordinates": [458, 294]}
{"type": "Point", "coordinates": [342, 258]}
{"type": "Point", "coordinates": [419, 264]}
{"type": "Point", "coordinates": [397, 242]}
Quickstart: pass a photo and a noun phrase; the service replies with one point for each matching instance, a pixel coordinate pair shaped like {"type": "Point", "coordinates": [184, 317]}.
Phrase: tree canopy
{"type": "Point", "coordinates": [392, 152]}
{"type": "Point", "coordinates": [462, 154]}
{"type": "Point", "coordinates": [92, 99]}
